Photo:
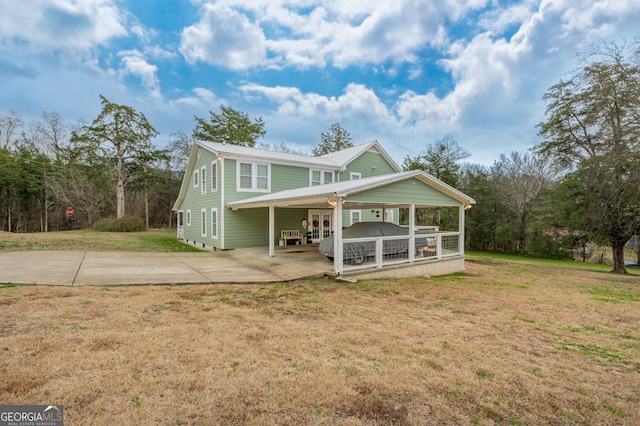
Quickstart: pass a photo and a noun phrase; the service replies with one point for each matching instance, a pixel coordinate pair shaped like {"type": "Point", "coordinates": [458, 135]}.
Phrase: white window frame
{"type": "Point", "coordinates": [188, 218]}
{"type": "Point", "coordinates": [214, 223]}
{"type": "Point", "coordinates": [323, 179]}
{"type": "Point", "coordinates": [355, 175]}
{"type": "Point", "coordinates": [351, 213]}
{"type": "Point", "coordinates": [254, 177]}
{"type": "Point", "coordinates": [214, 176]}
{"type": "Point", "coordinates": [203, 225]}
{"type": "Point", "coordinates": [196, 178]}
{"type": "Point", "coordinates": [203, 180]}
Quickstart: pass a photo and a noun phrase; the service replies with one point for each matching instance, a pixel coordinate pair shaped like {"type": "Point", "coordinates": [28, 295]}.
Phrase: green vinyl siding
{"type": "Point", "coordinates": [411, 191]}
{"type": "Point", "coordinates": [195, 201]}
{"type": "Point", "coordinates": [368, 164]}
{"type": "Point", "coordinates": [288, 177]}
{"type": "Point", "coordinates": [250, 228]}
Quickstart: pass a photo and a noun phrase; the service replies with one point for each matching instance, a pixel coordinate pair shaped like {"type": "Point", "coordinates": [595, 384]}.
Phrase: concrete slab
{"type": "Point", "coordinates": [126, 268]}
{"type": "Point", "coordinates": [117, 268]}
{"type": "Point", "coordinates": [40, 267]}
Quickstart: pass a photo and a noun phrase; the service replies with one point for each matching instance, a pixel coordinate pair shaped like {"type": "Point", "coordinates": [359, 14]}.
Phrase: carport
{"type": "Point", "coordinates": [412, 189]}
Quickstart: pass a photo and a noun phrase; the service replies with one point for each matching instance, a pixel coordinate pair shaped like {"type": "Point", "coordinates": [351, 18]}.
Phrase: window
{"type": "Point", "coordinates": [196, 178]}
{"type": "Point", "coordinates": [316, 178]}
{"type": "Point", "coordinates": [262, 177]}
{"type": "Point", "coordinates": [203, 227]}
{"type": "Point", "coordinates": [254, 177]}
{"type": "Point", "coordinates": [214, 223]}
{"type": "Point", "coordinates": [214, 176]}
{"type": "Point", "coordinates": [203, 180]}
{"type": "Point", "coordinates": [355, 175]}
{"type": "Point", "coordinates": [245, 175]}
{"type": "Point", "coordinates": [320, 177]}
{"type": "Point", "coordinates": [355, 216]}
{"type": "Point", "coordinates": [188, 217]}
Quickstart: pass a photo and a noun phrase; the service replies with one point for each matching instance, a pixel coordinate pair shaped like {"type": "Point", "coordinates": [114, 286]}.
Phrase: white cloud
{"type": "Point", "coordinates": [60, 24]}
{"type": "Point", "coordinates": [201, 98]}
{"type": "Point", "coordinates": [223, 37]}
{"type": "Point", "coordinates": [356, 102]}
{"type": "Point", "coordinates": [134, 63]}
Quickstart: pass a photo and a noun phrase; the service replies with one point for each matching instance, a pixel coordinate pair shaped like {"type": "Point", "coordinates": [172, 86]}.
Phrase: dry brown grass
{"type": "Point", "coordinates": [505, 344]}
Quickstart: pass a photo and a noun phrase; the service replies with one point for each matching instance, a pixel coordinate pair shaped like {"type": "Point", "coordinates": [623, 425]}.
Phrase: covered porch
{"type": "Point", "coordinates": [417, 252]}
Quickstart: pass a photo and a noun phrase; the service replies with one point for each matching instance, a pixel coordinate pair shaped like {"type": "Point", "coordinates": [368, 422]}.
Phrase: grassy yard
{"type": "Point", "coordinates": [160, 240]}
{"type": "Point", "coordinates": [510, 342]}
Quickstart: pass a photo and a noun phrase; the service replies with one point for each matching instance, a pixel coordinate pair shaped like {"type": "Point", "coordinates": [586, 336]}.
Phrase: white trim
{"type": "Point", "coordinates": [203, 222]}
{"type": "Point", "coordinates": [254, 176]}
{"type": "Point", "coordinates": [196, 178]}
{"type": "Point", "coordinates": [355, 175]}
{"type": "Point", "coordinates": [188, 218]}
{"type": "Point", "coordinates": [214, 223]}
{"type": "Point", "coordinates": [203, 180]}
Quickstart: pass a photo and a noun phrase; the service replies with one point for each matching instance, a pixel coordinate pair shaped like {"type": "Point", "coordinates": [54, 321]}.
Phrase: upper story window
{"type": "Point", "coordinates": [196, 178]}
{"type": "Point", "coordinates": [254, 177]}
{"type": "Point", "coordinates": [355, 175]}
{"type": "Point", "coordinates": [320, 177]}
{"type": "Point", "coordinates": [214, 176]}
{"type": "Point", "coordinates": [203, 180]}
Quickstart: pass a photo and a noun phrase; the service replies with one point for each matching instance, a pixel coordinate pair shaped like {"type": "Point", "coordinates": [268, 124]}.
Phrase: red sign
{"type": "Point", "coordinates": [70, 212]}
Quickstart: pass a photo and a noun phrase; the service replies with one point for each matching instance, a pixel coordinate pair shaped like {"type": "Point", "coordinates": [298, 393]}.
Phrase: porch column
{"type": "Point", "coordinates": [337, 237]}
{"type": "Point", "coordinates": [271, 231]}
{"type": "Point", "coordinates": [461, 229]}
{"type": "Point", "coordinates": [412, 233]}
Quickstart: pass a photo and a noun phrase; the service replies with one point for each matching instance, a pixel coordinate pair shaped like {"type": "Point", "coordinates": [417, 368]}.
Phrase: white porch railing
{"type": "Point", "coordinates": [378, 252]}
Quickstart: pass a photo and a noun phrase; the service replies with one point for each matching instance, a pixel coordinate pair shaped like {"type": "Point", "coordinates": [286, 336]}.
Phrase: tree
{"type": "Point", "coordinates": [9, 126]}
{"type": "Point", "coordinates": [440, 160]}
{"type": "Point", "coordinates": [519, 181]}
{"type": "Point", "coordinates": [230, 126]}
{"type": "Point", "coordinates": [593, 129]}
{"type": "Point", "coordinates": [180, 145]}
{"type": "Point", "coordinates": [123, 135]}
{"type": "Point", "coordinates": [336, 139]}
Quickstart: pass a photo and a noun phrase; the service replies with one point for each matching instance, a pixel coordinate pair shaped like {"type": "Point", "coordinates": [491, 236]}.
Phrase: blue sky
{"type": "Point", "coordinates": [405, 73]}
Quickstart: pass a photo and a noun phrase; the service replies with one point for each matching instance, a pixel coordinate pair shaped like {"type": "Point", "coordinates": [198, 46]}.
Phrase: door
{"type": "Point", "coordinates": [320, 224]}
{"type": "Point", "coordinates": [180, 219]}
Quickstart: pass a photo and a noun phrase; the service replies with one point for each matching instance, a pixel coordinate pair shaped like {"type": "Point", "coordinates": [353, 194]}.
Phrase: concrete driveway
{"type": "Point", "coordinates": [79, 268]}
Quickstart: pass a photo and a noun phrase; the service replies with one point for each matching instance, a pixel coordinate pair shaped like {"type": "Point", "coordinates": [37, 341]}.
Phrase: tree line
{"type": "Point", "coordinates": [580, 184]}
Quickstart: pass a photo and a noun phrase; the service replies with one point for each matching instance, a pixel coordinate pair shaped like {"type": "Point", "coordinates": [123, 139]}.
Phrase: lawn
{"type": "Point", "coordinates": [509, 342]}
{"type": "Point", "coordinates": [158, 240]}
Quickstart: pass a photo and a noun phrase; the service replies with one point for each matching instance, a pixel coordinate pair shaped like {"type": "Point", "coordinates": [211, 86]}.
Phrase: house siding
{"type": "Point", "coordinates": [407, 191]}
{"type": "Point", "coordinates": [368, 164]}
{"type": "Point", "coordinates": [195, 201]}
{"type": "Point", "coordinates": [248, 228]}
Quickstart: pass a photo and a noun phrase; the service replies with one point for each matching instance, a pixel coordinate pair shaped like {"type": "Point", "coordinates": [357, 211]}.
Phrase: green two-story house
{"type": "Point", "coordinates": [235, 197]}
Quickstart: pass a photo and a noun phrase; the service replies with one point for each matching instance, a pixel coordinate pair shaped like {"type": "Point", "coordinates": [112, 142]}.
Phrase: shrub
{"type": "Point", "coordinates": [125, 224]}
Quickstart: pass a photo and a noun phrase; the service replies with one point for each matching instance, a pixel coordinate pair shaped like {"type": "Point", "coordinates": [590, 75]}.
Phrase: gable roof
{"type": "Point", "coordinates": [321, 193]}
{"type": "Point", "coordinates": [336, 161]}
{"type": "Point", "coordinates": [346, 156]}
